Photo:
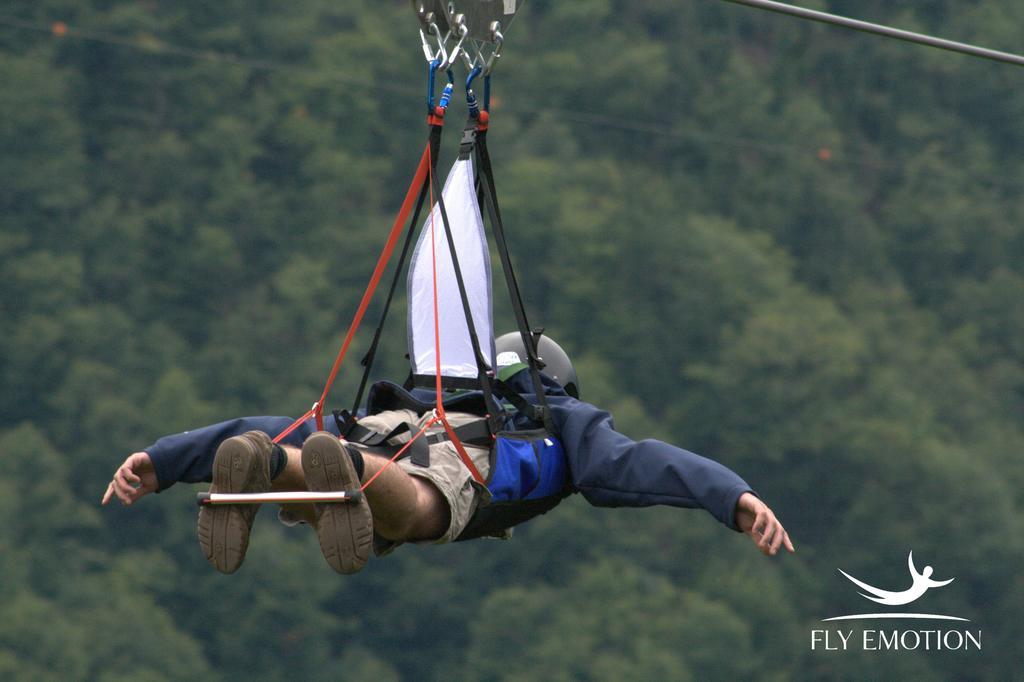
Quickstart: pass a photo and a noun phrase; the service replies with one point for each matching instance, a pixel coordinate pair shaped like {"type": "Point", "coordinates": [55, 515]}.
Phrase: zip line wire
{"type": "Point", "coordinates": [881, 30]}
{"type": "Point", "coordinates": [155, 45]}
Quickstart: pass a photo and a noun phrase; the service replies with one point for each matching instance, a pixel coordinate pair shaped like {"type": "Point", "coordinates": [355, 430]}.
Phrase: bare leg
{"type": "Point", "coordinates": [404, 507]}
{"type": "Point", "coordinates": [291, 478]}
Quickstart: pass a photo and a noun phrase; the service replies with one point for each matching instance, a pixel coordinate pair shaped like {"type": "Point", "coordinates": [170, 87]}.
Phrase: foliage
{"type": "Point", "coordinates": [790, 248]}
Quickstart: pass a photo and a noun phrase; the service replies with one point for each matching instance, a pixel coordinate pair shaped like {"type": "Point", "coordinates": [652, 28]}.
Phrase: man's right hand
{"type": "Point", "coordinates": [757, 520]}
{"type": "Point", "coordinates": [132, 480]}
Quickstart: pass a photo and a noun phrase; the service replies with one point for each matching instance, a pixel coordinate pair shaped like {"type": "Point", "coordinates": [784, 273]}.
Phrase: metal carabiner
{"type": "Point", "coordinates": [499, 41]}
{"type": "Point", "coordinates": [426, 19]}
{"type": "Point", "coordinates": [459, 27]}
{"type": "Point", "coordinates": [428, 53]}
{"type": "Point", "coordinates": [428, 26]}
{"type": "Point", "coordinates": [441, 53]}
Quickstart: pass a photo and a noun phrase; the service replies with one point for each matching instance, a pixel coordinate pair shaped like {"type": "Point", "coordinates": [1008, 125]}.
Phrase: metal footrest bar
{"type": "Point", "coordinates": [295, 497]}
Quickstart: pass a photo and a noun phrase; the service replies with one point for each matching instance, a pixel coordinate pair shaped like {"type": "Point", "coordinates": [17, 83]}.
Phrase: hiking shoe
{"type": "Point", "coordinates": [241, 465]}
{"type": "Point", "coordinates": [345, 529]}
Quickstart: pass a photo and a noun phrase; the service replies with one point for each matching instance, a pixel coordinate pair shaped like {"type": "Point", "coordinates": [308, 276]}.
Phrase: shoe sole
{"type": "Point", "coordinates": [345, 529]}
{"type": "Point", "coordinates": [224, 529]}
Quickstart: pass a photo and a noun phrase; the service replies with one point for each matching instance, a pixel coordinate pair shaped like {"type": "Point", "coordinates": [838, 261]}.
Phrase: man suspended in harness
{"type": "Point", "coordinates": [436, 500]}
{"type": "Point", "coordinates": [448, 464]}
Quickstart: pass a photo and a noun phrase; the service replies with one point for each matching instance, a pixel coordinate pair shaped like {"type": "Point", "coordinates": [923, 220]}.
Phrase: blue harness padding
{"type": "Point", "coordinates": [528, 465]}
{"type": "Point", "coordinates": [529, 476]}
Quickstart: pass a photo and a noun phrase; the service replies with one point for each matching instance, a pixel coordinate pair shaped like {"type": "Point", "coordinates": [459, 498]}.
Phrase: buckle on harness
{"type": "Point", "coordinates": [468, 141]}
{"type": "Point", "coordinates": [346, 423]}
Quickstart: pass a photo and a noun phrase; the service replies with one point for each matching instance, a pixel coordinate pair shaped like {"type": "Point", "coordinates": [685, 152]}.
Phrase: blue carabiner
{"type": "Point", "coordinates": [431, 80]}
{"type": "Point", "coordinates": [471, 102]}
{"type": "Point", "coordinates": [446, 94]}
{"type": "Point", "coordinates": [477, 70]}
{"type": "Point", "coordinates": [487, 93]}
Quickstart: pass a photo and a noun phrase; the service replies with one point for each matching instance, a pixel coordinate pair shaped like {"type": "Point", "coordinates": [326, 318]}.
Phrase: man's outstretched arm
{"type": "Point", "coordinates": [611, 469]}
{"type": "Point", "coordinates": [188, 456]}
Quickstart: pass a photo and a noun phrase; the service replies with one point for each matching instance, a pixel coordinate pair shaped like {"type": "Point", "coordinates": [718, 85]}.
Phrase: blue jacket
{"type": "Point", "coordinates": [608, 468]}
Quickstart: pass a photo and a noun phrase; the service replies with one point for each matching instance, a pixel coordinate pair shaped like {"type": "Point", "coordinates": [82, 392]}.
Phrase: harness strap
{"type": "Point", "coordinates": [476, 432]}
{"type": "Point", "coordinates": [484, 372]}
{"type": "Point", "coordinates": [457, 383]}
{"type": "Point", "coordinates": [422, 173]}
{"type": "Point", "coordinates": [488, 194]}
{"type": "Point", "coordinates": [436, 122]}
{"type": "Point", "coordinates": [438, 396]}
{"type": "Point", "coordinates": [537, 413]}
{"type": "Point", "coordinates": [419, 452]}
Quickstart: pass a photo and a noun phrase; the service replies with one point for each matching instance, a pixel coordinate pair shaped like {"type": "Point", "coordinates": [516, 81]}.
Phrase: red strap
{"type": "Point", "coordinates": [459, 448]}
{"type": "Point", "coordinates": [396, 230]}
{"type": "Point", "coordinates": [424, 170]}
{"type": "Point", "coordinates": [378, 272]}
{"type": "Point", "coordinates": [436, 117]}
{"type": "Point", "coordinates": [295, 424]}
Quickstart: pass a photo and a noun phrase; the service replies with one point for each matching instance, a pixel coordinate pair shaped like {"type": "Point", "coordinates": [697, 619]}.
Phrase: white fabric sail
{"type": "Point", "coordinates": [467, 225]}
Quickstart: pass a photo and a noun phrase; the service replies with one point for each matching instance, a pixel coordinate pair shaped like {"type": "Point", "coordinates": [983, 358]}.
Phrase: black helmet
{"type": "Point", "coordinates": [555, 362]}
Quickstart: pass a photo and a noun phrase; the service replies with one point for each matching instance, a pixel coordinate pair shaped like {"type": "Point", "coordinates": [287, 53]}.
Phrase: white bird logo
{"type": "Point", "coordinates": [922, 582]}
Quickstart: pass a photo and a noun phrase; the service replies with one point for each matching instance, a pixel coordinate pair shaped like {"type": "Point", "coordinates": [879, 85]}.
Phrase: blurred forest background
{"type": "Point", "coordinates": [794, 249]}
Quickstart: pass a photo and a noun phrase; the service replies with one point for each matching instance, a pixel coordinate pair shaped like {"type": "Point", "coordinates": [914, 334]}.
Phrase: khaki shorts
{"type": "Point", "coordinates": [446, 471]}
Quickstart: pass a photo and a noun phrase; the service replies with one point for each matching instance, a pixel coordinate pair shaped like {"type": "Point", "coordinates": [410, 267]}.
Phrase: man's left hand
{"type": "Point", "coordinates": [757, 520]}
{"type": "Point", "coordinates": [132, 480]}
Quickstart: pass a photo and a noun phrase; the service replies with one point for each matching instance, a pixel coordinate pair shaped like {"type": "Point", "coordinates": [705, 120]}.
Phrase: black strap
{"type": "Point", "coordinates": [477, 432]}
{"type": "Point", "coordinates": [345, 421]}
{"type": "Point", "coordinates": [371, 353]}
{"type": "Point", "coordinates": [354, 432]}
{"type": "Point", "coordinates": [537, 413]}
{"type": "Point", "coordinates": [456, 383]}
{"type": "Point", "coordinates": [419, 452]}
{"type": "Point", "coordinates": [484, 372]}
{"type": "Point", "coordinates": [541, 412]}
{"type": "Point", "coordinates": [474, 141]}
